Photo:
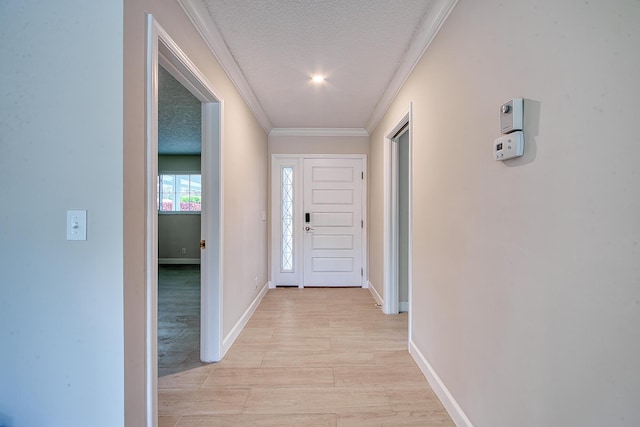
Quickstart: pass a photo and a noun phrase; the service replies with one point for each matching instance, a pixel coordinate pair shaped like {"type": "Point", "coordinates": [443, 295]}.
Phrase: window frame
{"type": "Point", "coordinates": [160, 193]}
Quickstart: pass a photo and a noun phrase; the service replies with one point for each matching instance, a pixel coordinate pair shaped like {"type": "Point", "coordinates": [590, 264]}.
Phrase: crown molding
{"type": "Point", "coordinates": [419, 45]}
{"type": "Point", "coordinates": [318, 132]}
{"type": "Point", "coordinates": [199, 15]}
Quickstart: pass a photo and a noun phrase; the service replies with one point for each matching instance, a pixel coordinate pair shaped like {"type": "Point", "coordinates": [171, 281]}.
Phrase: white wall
{"type": "Point", "coordinates": [245, 186]}
{"type": "Point", "coordinates": [61, 307]}
{"type": "Point", "coordinates": [526, 274]}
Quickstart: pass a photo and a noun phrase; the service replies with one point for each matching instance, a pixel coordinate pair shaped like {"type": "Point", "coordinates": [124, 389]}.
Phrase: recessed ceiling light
{"type": "Point", "coordinates": [317, 78]}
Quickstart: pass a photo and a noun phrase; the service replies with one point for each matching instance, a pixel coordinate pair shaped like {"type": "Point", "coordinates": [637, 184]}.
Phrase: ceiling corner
{"type": "Point", "coordinates": [420, 43]}
{"type": "Point", "coordinates": [199, 16]}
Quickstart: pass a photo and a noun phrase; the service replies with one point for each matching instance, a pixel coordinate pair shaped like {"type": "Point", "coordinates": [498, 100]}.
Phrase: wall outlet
{"type": "Point", "coordinates": [256, 280]}
{"type": "Point", "coordinates": [184, 251]}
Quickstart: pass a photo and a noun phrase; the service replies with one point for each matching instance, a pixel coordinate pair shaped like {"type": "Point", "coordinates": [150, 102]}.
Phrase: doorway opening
{"type": "Point", "coordinates": [400, 164]}
{"type": "Point", "coordinates": [397, 217]}
{"type": "Point", "coordinates": [164, 53]}
{"type": "Point", "coordinates": [318, 211]}
{"type": "Point", "coordinates": [179, 225]}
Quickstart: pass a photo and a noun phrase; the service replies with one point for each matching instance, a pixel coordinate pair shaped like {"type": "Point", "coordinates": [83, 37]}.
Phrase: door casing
{"type": "Point", "coordinates": [297, 160]}
{"type": "Point", "coordinates": [161, 49]}
{"type": "Point", "coordinates": [390, 231]}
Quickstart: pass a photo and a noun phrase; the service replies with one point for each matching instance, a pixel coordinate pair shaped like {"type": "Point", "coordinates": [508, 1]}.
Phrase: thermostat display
{"type": "Point", "coordinates": [509, 146]}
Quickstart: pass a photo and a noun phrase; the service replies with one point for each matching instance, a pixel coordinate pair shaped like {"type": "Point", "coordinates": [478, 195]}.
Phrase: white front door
{"type": "Point", "coordinates": [333, 222]}
{"type": "Point", "coordinates": [317, 221]}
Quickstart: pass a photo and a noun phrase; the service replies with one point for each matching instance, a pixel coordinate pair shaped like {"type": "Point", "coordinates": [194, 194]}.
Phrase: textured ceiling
{"type": "Point", "coordinates": [358, 45]}
{"type": "Point", "coordinates": [179, 117]}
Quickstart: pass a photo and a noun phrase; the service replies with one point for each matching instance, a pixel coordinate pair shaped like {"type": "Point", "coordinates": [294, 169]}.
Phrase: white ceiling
{"type": "Point", "coordinates": [364, 48]}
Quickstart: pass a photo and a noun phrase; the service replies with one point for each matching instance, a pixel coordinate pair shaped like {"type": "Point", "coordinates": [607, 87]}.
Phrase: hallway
{"type": "Point", "coordinates": [317, 357]}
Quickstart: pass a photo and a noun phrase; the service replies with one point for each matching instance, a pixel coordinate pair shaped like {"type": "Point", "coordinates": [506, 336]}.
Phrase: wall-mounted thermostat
{"type": "Point", "coordinates": [511, 115]}
{"type": "Point", "coordinates": [509, 146]}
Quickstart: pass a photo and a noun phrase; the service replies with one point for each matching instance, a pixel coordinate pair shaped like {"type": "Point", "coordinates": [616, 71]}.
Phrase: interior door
{"type": "Point", "coordinates": [333, 222]}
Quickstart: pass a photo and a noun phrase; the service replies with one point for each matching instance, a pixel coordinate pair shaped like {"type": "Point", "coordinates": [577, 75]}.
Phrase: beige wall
{"type": "Point", "coordinates": [526, 274]}
{"type": "Point", "coordinates": [318, 144]}
{"type": "Point", "coordinates": [245, 179]}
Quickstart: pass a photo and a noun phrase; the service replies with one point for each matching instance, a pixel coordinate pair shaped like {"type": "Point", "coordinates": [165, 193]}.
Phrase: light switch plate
{"type": "Point", "coordinates": [76, 224]}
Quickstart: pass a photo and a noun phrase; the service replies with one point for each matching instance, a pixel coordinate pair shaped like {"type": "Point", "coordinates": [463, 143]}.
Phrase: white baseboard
{"type": "Point", "coordinates": [178, 260]}
{"type": "Point", "coordinates": [375, 293]}
{"type": "Point", "coordinates": [240, 324]}
{"type": "Point", "coordinates": [455, 411]}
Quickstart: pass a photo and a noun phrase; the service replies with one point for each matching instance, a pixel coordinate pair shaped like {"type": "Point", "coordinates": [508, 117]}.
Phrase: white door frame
{"type": "Point", "coordinates": [390, 231]}
{"type": "Point", "coordinates": [298, 160]}
{"type": "Point", "coordinates": [161, 49]}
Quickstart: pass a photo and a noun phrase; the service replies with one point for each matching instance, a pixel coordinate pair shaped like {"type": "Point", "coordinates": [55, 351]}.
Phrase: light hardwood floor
{"type": "Point", "coordinates": [178, 318]}
{"type": "Point", "coordinates": [308, 357]}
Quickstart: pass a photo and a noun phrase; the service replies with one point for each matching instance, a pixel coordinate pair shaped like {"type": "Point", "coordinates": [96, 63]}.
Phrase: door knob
{"type": "Point", "coordinates": [307, 228]}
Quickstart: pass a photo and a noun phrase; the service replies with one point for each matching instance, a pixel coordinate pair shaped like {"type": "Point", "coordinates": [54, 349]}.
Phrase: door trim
{"type": "Point", "coordinates": [390, 198]}
{"type": "Point", "coordinates": [274, 228]}
{"type": "Point", "coordinates": [162, 50]}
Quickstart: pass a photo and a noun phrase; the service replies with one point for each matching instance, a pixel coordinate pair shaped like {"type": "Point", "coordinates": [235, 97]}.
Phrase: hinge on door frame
{"type": "Point", "coordinates": [362, 272]}
{"type": "Point", "coordinates": [362, 223]}
{"type": "Point", "coordinates": [362, 175]}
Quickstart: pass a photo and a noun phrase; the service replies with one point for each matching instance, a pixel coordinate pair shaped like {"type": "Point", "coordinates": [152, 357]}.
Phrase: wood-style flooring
{"type": "Point", "coordinates": [178, 318]}
{"type": "Point", "coordinates": [308, 357]}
